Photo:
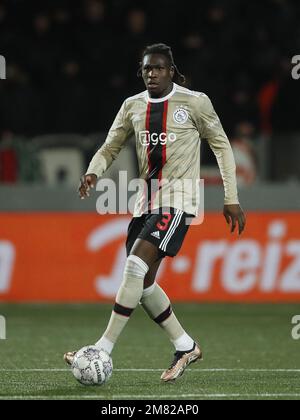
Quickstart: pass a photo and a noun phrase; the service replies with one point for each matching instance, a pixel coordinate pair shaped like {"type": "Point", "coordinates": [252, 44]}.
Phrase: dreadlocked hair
{"type": "Point", "coordinates": [167, 52]}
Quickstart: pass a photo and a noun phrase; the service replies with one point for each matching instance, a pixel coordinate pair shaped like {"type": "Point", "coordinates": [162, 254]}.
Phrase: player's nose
{"type": "Point", "coordinates": [152, 73]}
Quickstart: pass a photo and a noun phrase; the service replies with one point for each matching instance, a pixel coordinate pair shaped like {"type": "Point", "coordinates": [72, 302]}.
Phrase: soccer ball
{"type": "Point", "coordinates": [92, 366]}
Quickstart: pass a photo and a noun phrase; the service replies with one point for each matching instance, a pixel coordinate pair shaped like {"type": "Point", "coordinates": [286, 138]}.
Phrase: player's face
{"type": "Point", "coordinates": [157, 74]}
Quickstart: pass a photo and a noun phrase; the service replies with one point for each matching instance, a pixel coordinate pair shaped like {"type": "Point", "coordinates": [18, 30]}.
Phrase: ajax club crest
{"type": "Point", "coordinates": [180, 116]}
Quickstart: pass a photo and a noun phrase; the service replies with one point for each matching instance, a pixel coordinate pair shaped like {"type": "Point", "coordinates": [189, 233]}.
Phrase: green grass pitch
{"type": "Point", "coordinates": [249, 353]}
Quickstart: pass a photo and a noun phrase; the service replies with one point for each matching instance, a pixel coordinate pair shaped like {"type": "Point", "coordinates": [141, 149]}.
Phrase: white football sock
{"type": "Point", "coordinates": [105, 344]}
{"type": "Point", "coordinates": [128, 297]}
{"type": "Point", "coordinates": [183, 343]}
{"type": "Point", "coordinates": [158, 306]}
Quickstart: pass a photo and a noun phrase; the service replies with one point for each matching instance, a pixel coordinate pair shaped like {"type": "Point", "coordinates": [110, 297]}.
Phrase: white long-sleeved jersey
{"type": "Point", "coordinates": [168, 133]}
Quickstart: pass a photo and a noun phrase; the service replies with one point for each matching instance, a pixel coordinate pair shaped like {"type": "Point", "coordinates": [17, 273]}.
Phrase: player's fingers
{"type": "Point", "coordinates": [82, 192]}
{"type": "Point", "coordinates": [242, 223]}
{"type": "Point", "coordinates": [233, 220]}
{"type": "Point", "coordinates": [83, 188]}
{"type": "Point", "coordinates": [82, 184]}
{"type": "Point", "coordinates": [227, 217]}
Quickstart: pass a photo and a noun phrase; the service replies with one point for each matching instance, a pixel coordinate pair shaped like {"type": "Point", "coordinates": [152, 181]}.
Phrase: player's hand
{"type": "Point", "coordinates": [234, 214]}
{"type": "Point", "coordinates": [86, 183]}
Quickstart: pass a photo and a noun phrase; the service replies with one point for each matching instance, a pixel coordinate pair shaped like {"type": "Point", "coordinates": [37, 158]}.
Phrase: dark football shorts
{"type": "Point", "coordinates": [166, 230]}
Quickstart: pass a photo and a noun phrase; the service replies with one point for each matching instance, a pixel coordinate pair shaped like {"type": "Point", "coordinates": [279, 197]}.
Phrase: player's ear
{"type": "Point", "coordinates": [172, 72]}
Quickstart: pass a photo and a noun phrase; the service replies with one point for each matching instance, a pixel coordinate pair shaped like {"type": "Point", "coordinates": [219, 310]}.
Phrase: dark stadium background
{"type": "Point", "coordinates": [69, 66]}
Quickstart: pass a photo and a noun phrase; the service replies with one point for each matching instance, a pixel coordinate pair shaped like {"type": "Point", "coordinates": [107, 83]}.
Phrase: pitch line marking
{"type": "Point", "coordinates": [168, 396]}
{"type": "Point", "coordinates": [159, 370]}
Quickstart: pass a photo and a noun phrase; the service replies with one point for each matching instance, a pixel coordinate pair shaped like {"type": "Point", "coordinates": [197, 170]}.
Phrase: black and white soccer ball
{"type": "Point", "coordinates": [92, 366]}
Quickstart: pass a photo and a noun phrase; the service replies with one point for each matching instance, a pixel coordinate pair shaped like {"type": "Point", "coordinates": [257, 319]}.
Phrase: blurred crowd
{"type": "Point", "coordinates": [71, 63]}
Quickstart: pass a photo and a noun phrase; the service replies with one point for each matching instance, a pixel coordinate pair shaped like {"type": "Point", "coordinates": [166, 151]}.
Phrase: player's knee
{"type": "Point", "coordinates": [136, 267]}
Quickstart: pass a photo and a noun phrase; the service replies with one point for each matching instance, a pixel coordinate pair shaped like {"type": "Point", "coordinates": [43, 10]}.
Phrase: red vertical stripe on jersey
{"type": "Point", "coordinates": [164, 148]}
{"type": "Point", "coordinates": [156, 125]}
{"type": "Point", "coordinates": [148, 113]}
{"type": "Point", "coordinates": [147, 126]}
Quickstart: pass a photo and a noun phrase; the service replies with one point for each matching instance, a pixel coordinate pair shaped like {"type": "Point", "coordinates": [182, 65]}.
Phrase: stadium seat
{"type": "Point", "coordinates": [62, 166]}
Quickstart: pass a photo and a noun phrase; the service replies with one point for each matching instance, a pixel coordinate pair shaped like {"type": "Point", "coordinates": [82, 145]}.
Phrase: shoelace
{"type": "Point", "coordinates": [178, 354]}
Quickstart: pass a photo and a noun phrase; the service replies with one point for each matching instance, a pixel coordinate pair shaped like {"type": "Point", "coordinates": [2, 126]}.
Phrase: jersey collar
{"type": "Point", "coordinates": [165, 98]}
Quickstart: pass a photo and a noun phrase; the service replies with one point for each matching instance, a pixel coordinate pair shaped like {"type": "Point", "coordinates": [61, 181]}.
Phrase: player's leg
{"type": "Point", "coordinates": [151, 275]}
{"type": "Point", "coordinates": [142, 256]}
{"type": "Point", "coordinates": [154, 300]}
{"type": "Point", "coordinates": [158, 306]}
